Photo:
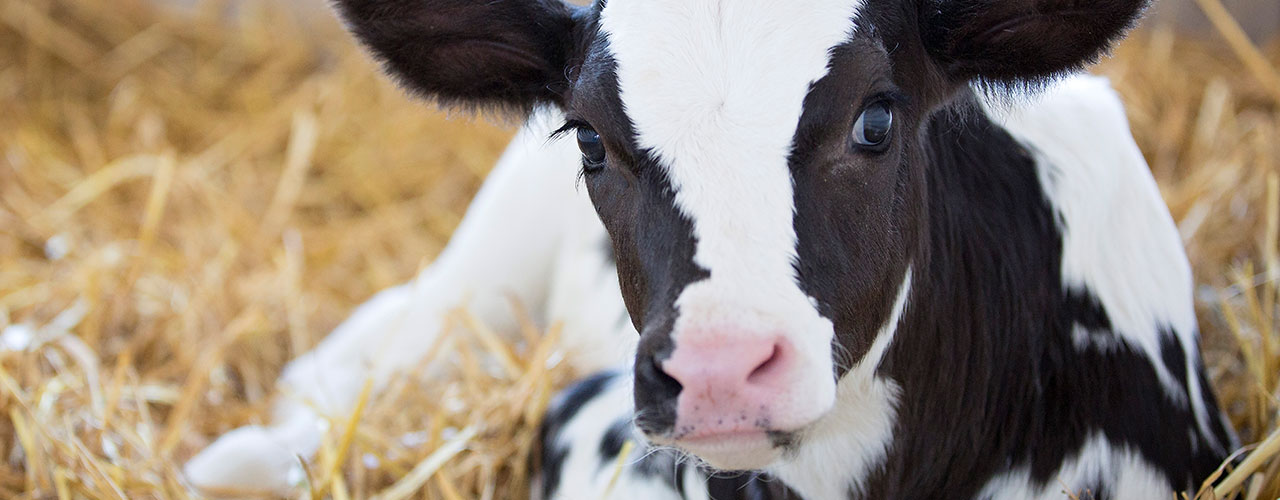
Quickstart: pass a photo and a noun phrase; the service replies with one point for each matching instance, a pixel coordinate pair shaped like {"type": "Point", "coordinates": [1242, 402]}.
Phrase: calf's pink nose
{"type": "Point", "coordinates": [730, 365]}
{"type": "Point", "coordinates": [729, 385]}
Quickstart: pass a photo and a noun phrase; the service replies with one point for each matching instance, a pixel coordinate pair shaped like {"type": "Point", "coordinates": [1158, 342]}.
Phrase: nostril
{"type": "Point", "coordinates": [656, 394]}
{"type": "Point", "coordinates": [652, 372]}
{"type": "Point", "coordinates": [767, 369]}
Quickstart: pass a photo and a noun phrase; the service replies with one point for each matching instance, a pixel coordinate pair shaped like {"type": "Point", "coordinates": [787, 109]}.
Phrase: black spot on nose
{"type": "Point", "coordinates": [655, 395]}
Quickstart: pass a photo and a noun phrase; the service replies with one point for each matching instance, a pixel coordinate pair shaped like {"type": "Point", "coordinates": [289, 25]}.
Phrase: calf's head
{"type": "Point", "coordinates": [759, 166]}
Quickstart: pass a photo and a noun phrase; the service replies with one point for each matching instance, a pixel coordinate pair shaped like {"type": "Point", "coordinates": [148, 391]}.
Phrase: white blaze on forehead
{"type": "Point", "coordinates": [715, 89]}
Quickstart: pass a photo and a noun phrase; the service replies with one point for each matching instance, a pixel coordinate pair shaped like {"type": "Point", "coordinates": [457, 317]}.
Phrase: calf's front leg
{"type": "Point", "coordinates": [504, 247]}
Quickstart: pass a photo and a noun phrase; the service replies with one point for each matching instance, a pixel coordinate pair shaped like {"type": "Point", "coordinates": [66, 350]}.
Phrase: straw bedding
{"type": "Point", "coordinates": [188, 200]}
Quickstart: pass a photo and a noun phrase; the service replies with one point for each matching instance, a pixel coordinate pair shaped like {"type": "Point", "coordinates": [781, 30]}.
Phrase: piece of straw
{"type": "Point", "coordinates": [416, 478]}
{"type": "Point", "coordinates": [1244, 48]}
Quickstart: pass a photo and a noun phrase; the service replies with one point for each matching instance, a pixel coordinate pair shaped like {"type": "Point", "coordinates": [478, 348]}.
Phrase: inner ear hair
{"type": "Point", "coordinates": [1023, 43]}
{"type": "Point", "coordinates": [508, 56]}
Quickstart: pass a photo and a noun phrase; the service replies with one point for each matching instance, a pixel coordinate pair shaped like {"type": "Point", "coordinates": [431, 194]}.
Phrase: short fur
{"type": "Point", "coordinates": [1015, 42]}
{"type": "Point", "coordinates": [507, 55]}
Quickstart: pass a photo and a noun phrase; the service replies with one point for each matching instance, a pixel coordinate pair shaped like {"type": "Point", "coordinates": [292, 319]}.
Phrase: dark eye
{"type": "Point", "coordinates": [873, 126]}
{"type": "Point", "coordinates": [591, 146]}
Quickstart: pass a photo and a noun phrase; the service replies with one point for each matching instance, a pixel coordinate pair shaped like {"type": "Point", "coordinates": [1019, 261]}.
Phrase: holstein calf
{"type": "Point", "coordinates": [867, 249]}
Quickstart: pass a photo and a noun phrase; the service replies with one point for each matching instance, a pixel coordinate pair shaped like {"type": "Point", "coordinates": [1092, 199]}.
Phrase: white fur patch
{"type": "Point", "coordinates": [580, 475]}
{"type": "Point", "coordinates": [1119, 241]}
{"type": "Point", "coordinates": [715, 89]}
{"type": "Point", "coordinates": [841, 449]}
{"type": "Point", "coordinates": [1119, 470]}
{"type": "Point", "coordinates": [585, 475]}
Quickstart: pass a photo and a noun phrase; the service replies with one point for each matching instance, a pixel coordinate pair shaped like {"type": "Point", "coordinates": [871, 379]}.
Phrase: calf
{"type": "Point", "coordinates": [869, 249]}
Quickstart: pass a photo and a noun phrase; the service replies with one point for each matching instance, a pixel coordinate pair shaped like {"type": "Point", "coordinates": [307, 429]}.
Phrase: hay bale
{"type": "Point", "coordinates": [188, 200]}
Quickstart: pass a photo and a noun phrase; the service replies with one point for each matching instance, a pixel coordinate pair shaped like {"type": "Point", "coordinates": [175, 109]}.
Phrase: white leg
{"type": "Point", "coordinates": [506, 245]}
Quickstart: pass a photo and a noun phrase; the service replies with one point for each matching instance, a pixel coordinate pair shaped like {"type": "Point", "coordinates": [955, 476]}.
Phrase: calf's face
{"type": "Point", "coordinates": [758, 165]}
{"type": "Point", "coordinates": [753, 178]}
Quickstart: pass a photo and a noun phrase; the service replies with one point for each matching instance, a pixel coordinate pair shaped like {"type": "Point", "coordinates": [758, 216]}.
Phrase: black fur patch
{"type": "Point", "coordinates": [1174, 358]}
{"type": "Point", "coordinates": [1019, 41]}
{"type": "Point", "coordinates": [990, 377]}
{"type": "Point", "coordinates": [747, 486]}
{"type": "Point", "coordinates": [504, 54]}
{"type": "Point", "coordinates": [1085, 308]}
{"type": "Point", "coordinates": [613, 440]}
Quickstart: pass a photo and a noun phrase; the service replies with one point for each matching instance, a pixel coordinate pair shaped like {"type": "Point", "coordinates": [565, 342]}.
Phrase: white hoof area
{"type": "Point", "coordinates": [246, 462]}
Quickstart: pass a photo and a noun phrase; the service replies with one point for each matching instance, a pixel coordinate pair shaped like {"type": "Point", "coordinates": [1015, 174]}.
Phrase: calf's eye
{"type": "Point", "coordinates": [592, 147]}
{"type": "Point", "coordinates": [871, 131]}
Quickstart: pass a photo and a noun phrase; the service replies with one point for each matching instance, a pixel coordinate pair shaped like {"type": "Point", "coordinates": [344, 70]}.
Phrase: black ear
{"type": "Point", "coordinates": [1023, 41]}
{"type": "Point", "coordinates": [506, 54]}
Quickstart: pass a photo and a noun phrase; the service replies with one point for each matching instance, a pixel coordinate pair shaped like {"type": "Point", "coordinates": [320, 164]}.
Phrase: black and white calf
{"type": "Point", "coordinates": [850, 273]}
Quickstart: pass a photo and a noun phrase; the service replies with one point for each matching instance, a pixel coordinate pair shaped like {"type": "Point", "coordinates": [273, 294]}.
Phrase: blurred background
{"type": "Point", "coordinates": [192, 192]}
{"type": "Point", "coordinates": [1260, 19]}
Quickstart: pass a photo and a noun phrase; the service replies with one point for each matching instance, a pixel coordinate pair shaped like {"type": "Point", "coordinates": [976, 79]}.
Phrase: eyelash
{"type": "Point", "coordinates": [570, 125]}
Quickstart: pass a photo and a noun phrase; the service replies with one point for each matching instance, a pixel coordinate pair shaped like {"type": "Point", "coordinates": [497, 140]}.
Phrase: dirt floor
{"type": "Point", "coordinates": [187, 201]}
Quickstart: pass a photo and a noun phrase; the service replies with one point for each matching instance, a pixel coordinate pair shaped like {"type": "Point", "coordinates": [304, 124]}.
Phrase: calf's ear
{"type": "Point", "coordinates": [1022, 41]}
{"type": "Point", "coordinates": [505, 54]}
